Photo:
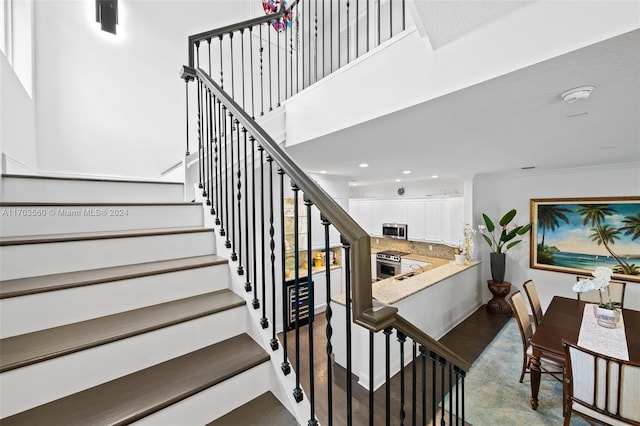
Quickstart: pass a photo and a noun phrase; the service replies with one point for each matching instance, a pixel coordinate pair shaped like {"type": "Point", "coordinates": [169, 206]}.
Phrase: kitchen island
{"type": "Point", "coordinates": [435, 300]}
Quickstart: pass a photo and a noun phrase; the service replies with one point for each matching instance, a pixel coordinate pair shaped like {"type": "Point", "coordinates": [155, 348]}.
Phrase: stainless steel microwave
{"type": "Point", "coordinates": [394, 230]}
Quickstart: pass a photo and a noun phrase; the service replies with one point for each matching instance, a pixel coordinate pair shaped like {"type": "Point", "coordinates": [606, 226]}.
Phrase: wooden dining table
{"type": "Point", "coordinates": [562, 320]}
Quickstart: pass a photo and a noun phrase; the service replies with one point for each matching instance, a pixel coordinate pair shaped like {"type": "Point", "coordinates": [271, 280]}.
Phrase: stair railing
{"type": "Point", "coordinates": [263, 61]}
{"type": "Point", "coordinates": [250, 211]}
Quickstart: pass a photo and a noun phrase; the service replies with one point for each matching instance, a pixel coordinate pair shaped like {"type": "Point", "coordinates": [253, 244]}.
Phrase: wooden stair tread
{"type": "Point", "coordinates": [39, 284]}
{"type": "Point", "coordinates": [265, 410]}
{"type": "Point", "coordinates": [144, 392]}
{"type": "Point", "coordinates": [29, 348]}
{"type": "Point", "coordinates": [100, 235]}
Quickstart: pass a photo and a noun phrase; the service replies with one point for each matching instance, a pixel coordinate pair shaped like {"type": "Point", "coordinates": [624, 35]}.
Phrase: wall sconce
{"type": "Point", "coordinates": [107, 15]}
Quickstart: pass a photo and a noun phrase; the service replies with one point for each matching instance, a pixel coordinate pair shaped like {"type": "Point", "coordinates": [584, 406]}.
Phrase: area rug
{"type": "Point", "coordinates": [493, 395]}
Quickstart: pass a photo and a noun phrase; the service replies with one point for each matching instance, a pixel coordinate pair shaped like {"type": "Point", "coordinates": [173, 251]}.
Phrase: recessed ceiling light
{"type": "Point", "coordinates": [323, 171]}
{"type": "Point", "coordinates": [363, 165]}
{"type": "Point", "coordinates": [406, 172]}
{"type": "Point", "coordinates": [434, 176]}
{"type": "Point", "coordinates": [398, 180]}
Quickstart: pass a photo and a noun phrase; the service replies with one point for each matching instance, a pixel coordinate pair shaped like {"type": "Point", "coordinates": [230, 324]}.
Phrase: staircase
{"type": "Point", "coordinates": [115, 309]}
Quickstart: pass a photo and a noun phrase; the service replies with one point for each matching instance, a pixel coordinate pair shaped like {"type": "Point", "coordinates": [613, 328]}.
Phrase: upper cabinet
{"type": "Point", "coordinates": [436, 219]}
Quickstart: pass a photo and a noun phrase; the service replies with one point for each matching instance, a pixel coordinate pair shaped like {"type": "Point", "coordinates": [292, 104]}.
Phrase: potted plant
{"type": "Point", "coordinates": [504, 242]}
{"type": "Point", "coordinates": [459, 254]}
{"type": "Point", "coordinates": [607, 312]}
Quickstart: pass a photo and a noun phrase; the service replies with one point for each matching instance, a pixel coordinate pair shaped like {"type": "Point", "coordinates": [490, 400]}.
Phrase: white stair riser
{"type": "Point", "coordinates": [19, 261]}
{"type": "Point", "coordinates": [25, 314]}
{"type": "Point", "coordinates": [214, 402]}
{"type": "Point", "coordinates": [34, 220]}
{"type": "Point", "coordinates": [37, 384]}
{"type": "Point", "coordinates": [88, 191]}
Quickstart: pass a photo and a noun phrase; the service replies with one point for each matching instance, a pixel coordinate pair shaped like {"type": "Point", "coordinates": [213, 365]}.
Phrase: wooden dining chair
{"type": "Point", "coordinates": [616, 289]}
{"type": "Point", "coordinates": [526, 332]}
{"type": "Point", "coordinates": [600, 388]}
{"type": "Point", "coordinates": [534, 301]}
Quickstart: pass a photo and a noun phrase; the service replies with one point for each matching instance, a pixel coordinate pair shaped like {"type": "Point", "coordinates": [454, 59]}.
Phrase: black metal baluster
{"type": "Point", "coordinates": [371, 376]}
{"type": "Point", "coordinates": [219, 169]}
{"type": "Point", "coordinates": [233, 96]}
{"type": "Point", "coordinates": [187, 79]}
{"type": "Point", "coordinates": [404, 15]}
{"type": "Point", "coordinates": [310, 294]}
{"type": "Point", "coordinates": [242, 66]}
{"type": "Point", "coordinates": [253, 216]}
{"type": "Point", "coordinates": [379, 23]}
{"type": "Point", "coordinates": [253, 102]}
{"type": "Point", "coordinates": [239, 198]}
{"type": "Point", "coordinates": [330, 36]}
{"type": "Point", "coordinates": [221, 64]}
{"type": "Point", "coordinates": [402, 338]}
{"type": "Point", "coordinates": [387, 374]}
{"type": "Point", "coordinates": [227, 243]}
{"type": "Point", "coordinates": [414, 409]}
{"type": "Point", "coordinates": [209, 141]}
{"type": "Point", "coordinates": [368, 16]}
{"type": "Point", "coordinates": [298, 49]}
{"type": "Point", "coordinates": [328, 313]}
{"type": "Point", "coordinates": [347, 271]}
{"type": "Point", "coordinates": [256, 302]}
{"type": "Point", "coordinates": [246, 209]}
{"type": "Point", "coordinates": [261, 73]}
{"type": "Point", "coordinates": [303, 6]}
{"type": "Point", "coordinates": [357, 28]}
{"type": "Point", "coordinates": [348, 42]}
{"type": "Point", "coordinates": [297, 392]}
{"type": "Point", "coordinates": [423, 358]}
{"type": "Point", "coordinates": [462, 376]}
{"type": "Point", "coordinates": [270, 70]}
{"type": "Point", "coordinates": [278, 63]}
{"type": "Point", "coordinates": [456, 370]}
{"type": "Point", "coordinates": [272, 246]}
{"type": "Point", "coordinates": [324, 39]}
{"type": "Point", "coordinates": [232, 227]}
{"type": "Point", "coordinates": [200, 156]}
{"type": "Point", "coordinates": [215, 208]}
{"type": "Point", "coordinates": [434, 359]}
{"type": "Point", "coordinates": [442, 363]}
{"type": "Point", "coordinates": [390, 20]}
{"type": "Point", "coordinates": [285, 366]}
{"type": "Point", "coordinates": [451, 396]}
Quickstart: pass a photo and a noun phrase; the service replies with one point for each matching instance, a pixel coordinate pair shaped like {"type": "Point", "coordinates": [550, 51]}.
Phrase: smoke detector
{"type": "Point", "coordinates": [570, 96]}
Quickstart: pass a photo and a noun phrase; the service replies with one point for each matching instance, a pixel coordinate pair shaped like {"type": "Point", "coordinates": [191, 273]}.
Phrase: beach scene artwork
{"type": "Point", "coordinates": [578, 235]}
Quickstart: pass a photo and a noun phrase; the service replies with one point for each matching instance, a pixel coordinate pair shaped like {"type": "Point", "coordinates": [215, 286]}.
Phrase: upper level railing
{"type": "Point", "coordinates": [263, 61]}
{"type": "Point", "coordinates": [248, 203]}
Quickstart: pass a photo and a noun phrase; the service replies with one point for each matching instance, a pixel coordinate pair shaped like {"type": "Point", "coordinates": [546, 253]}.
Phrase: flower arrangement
{"type": "Point", "coordinates": [506, 235]}
{"type": "Point", "coordinates": [600, 281]}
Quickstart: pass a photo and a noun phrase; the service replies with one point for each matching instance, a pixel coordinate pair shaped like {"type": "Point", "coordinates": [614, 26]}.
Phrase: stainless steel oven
{"type": "Point", "coordinates": [394, 230]}
{"type": "Point", "coordinates": [388, 263]}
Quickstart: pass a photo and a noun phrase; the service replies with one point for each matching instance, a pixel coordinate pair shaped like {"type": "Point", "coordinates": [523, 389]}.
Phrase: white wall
{"type": "Point", "coordinates": [411, 72]}
{"type": "Point", "coordinates": [413, 189]}
{"type": "Point", "coordinates": [497, 194]}
{"type": "Point", "coordinates": [114, 105]}
{"type": "Point", "coordinates": [17, 122]}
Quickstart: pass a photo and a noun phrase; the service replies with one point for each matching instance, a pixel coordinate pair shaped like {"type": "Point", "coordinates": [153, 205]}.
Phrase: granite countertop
{"type": "Point", "coordinates": [394, 289]}
{"type": "Point", "coordinates": [302, 272]}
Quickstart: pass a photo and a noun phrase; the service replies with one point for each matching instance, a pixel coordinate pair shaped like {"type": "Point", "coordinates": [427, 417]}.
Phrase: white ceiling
{"type": "Point", "coordinates": [501, 125]}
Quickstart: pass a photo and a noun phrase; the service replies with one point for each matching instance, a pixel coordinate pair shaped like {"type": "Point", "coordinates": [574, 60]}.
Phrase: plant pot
{"type": "Point", "coordinates": [460, 258]}
{"type": "Point", "coordinates": [498, 261]}
{"type": "Point", "coordinates": [607, 318]}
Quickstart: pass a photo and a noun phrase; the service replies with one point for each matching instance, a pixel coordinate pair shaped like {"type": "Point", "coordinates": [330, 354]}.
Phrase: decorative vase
{"type": "Point", "coordinates": [498, 261]}
{"type": "Point", "coordinates": [460, 258]}
{"type": "Point", "coordinates": [607, 318]}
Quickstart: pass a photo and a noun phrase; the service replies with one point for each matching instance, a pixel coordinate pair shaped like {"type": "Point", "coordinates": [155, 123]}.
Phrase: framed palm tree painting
{"type": "Point", "coordinates": [576, 235]}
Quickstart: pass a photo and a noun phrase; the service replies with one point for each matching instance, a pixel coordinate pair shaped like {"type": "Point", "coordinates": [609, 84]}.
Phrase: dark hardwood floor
{"type": "Point", "coordinates": [468, 339]}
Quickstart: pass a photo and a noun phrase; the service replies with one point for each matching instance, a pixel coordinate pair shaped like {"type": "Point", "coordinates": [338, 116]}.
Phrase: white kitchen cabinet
{"type": "Point", "coordinates": [452, 220]}
{"type": "Point", "coordinates": [416, 220]}
{"type": "Point", "coordinates": [320, 288]}
{"type": "Point", "coordinates": [362, 212]}
{"type": "Point", "coordinates": [374, 271]}
{"type": "Point", "coordinates": [433, 219]}
{"type": "Point", "coordinates": [393, 211]}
